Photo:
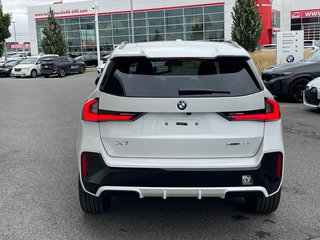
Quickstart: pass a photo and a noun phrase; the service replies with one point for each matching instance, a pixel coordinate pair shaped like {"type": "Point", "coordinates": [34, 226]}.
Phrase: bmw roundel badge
{"type": "Point", "coordinates": [182, 105]}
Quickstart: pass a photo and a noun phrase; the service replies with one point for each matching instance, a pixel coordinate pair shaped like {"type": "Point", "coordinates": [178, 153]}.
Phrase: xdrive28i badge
{"type": "Point", "coordinates": [182, 105]}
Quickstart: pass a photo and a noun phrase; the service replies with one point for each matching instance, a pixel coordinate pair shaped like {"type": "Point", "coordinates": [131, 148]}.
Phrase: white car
{"type": "Point", "coordinates": [180, 119]}
{"type": "Point", "coordinates": [31, 66]}
{"type": "Point", "coordinates": [312, 45]}
{"type": "Point", "coordinates": [311, 94]}
{"type": "Point", "coordinates": [100, 68]}
{"type": "Point", "coordinates": [2, 61]}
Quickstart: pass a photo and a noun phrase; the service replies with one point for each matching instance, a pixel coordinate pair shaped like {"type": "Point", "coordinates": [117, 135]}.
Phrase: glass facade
{"type": "Point", "coordinates": [276, 19]}
{"type": "Point", "coordinates": [189, 23]}
{"type": "Point", "coordinates": [310, 26]}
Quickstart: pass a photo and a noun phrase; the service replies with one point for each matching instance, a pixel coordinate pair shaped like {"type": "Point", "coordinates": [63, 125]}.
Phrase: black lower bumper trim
{"type": "Point", "coordinates": [264, 176]}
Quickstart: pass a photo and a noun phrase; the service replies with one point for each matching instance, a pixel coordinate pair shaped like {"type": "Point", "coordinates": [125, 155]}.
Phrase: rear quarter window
{"type": "Point", "coordinates": [173, 78]}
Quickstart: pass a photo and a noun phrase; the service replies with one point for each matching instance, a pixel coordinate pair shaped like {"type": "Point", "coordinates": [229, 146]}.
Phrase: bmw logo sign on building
{"type": "Point", "coordinates": [182, 105]}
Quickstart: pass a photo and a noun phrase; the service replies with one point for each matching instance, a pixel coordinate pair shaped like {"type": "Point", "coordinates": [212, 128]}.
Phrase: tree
{"type": "Point", "coordinates": [157, 36]}
{"type": "Point", "coordinates": [5, 22]}
{"type": "Point", "coordinates": [53, 41]}
{"type": "Point", "coordinates": [246, 28]}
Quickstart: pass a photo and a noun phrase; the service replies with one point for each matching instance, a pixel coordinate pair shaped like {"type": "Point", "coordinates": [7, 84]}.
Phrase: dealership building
{"type": "Point", "coordinates": [155, 20]}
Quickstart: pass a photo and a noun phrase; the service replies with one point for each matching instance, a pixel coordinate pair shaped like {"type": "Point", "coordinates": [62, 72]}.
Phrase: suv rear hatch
{"type": "Point", "coordinates": [47, 64]}
{"type": "Point", "coordinates": [152, 93]}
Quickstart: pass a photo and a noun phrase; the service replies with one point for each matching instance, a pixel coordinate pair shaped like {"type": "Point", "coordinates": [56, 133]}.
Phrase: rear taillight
{"type": "Point", "coordinates": [91, 113]}
{"type": "Point", "coordinates": [270, 113]}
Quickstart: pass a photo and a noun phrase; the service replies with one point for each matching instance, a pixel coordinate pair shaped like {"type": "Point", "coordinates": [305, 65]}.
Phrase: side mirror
{"type": "Point", "coordinates": [96, 81]}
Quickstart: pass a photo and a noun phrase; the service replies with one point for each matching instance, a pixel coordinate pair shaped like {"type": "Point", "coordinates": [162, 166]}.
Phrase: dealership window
{"type": "Point", "coordinates": [140, 38]}
{"type": "Point", "coordinates": [139, 15]}
{"type": "Point", "coordinates": [189, 23]}
{"type": "Point", "coordinates": [193, 11]}
{"type": "Point", "coordinates": [104, 18]}
{"type": "Point", "coordinates": [310, 27]}
{"type": "Point", "coordinates": [275, 19]}
{"type": "Point", "coordinates": [311, 31]}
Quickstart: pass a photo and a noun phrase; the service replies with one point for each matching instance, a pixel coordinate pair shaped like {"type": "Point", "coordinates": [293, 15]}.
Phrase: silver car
{"type": "Point", "coordinates": [180, 119]}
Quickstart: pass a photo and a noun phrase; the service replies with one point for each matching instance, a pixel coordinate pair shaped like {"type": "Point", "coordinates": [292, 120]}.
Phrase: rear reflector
{"type": "Point", "coordinates": [84, 158]}
{"type": "Point", "coordinates": [91, 163]}
{"type": "Point", "coordinates": [279, 165]}
{"type": "Point", "coordinates": [91, 113]}
{"type": "Point", "coordinates": [270, 113]}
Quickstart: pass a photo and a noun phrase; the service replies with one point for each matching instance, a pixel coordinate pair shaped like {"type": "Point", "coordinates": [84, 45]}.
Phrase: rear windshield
{"type": "Point", "coordinates": [142, 77]}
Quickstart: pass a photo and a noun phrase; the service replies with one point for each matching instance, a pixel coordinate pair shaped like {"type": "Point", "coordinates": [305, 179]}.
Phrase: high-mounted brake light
{"type": "Point", "coordinates": [270, 113]}
{"type": "Point", "coordinates": [91, 113]}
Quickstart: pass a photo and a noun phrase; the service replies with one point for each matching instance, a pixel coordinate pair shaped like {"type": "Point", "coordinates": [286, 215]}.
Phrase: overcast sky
{"type": "Point", "coordinates": [18, 8]}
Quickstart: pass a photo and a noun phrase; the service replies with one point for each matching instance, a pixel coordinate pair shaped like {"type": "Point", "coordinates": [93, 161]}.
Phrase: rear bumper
{"type": "Point", "coordinates": [49, 71]}
{"type": "Point", "coordinates": [183, 182]}
{"type": "Point", "coordinates": [5, 74]}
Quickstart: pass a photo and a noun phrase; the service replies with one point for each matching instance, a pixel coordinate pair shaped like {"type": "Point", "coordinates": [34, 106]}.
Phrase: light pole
{"type": "Point", "coordinates": [132, 27]}
{"type": "Point", "coordinates": [96, 20]}
{"type": "Point", "coordinates": [15, 36]}
{"type": "Point", "coordinates": [5, 44]}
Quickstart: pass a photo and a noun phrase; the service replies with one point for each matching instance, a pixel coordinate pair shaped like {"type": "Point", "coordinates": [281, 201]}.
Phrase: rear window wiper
{"type": "Point", "coordinates": [200, 92]}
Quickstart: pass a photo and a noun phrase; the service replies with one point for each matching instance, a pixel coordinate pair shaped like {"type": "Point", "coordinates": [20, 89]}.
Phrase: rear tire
{"type": "Point", "coordinates": [296, 90]}
{"type": "Point", "coordinates": [62, 73]}
{"type": "Point", "coordinates": [91, 204]}
{"type": "Point", "coordinates": [264, 205]}
{"type": "Point", "coordinates": [81, 69]}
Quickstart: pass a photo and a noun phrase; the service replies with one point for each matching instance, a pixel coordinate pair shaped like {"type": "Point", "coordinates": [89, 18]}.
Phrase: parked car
{"type": "Point", "coordinates": [30, 67]}
{"type": "Point", "coordinates": [185, 119]}
{"type": "Point", "coordinates": [100, 68]}
{"type": "Point", "coordinates": [268, 47]}
{"type": "Point", "coordinates": [62, 66]}
{"type": "Point", "coordinates": [289, 80]}
{"type": "Point", "coordinates": [311, 96]}
{"type": "Point", "coordinates": [6, 69]}
{"type": "Point", "coordinates": [313, 45]}
{"type": "Point", "coordinates": [89, 60]}
{"type": "Point", "coordinates": [2, 61]}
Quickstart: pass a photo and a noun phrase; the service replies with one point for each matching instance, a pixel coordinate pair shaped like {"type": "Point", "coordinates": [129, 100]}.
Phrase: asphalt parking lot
{"type": "Point", "coordinates": [39, 119]}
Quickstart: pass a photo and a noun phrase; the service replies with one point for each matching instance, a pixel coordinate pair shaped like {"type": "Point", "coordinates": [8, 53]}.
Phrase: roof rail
{"type": "Point", "coordinates": [235, 44]}
{"type": "Point", "coordinates": [122, 45]}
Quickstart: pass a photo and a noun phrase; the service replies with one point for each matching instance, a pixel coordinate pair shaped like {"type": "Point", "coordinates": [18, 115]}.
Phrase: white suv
{"type": "Point", "coordinates": [31, 66]}
{"type": "Point", "coordinates": [180, 119]}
